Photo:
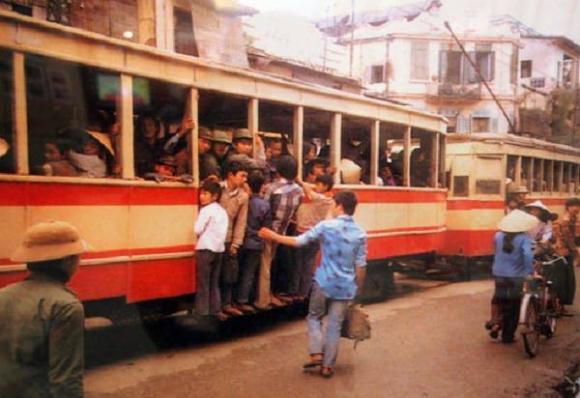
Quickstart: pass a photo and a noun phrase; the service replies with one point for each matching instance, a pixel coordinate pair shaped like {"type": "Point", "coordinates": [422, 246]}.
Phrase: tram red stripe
{"type": "Point", "coordinates": [398, 196]}
{"type": "Point", "coordinates": [474, 204]}
{"type": "Point", "coordinates": [470, 243]}
{"type": "Point", "coordinates": [127, 252]}
{"type": "Point", "coordinates": [433, 228]}
{"type": "Point", "coordinates": [553, 201]}
{"type": "Point", "coordinates": [394, 246]}
{"type": "Point", "coordinates": [53, 194]}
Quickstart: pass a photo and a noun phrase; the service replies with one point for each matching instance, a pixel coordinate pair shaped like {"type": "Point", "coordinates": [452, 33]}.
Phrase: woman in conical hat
{"type": "Point", "coordinates": [512, 263]}
{"type": "Point", "coordinates": [542, 233]}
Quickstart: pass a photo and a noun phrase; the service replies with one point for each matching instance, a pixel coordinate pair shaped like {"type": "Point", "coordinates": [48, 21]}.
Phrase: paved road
{"type": "Point", "coordinates": [430, 343]}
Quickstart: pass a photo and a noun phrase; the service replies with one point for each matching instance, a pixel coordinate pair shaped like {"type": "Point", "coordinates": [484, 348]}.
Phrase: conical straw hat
{"type": "Point", "coordinates": [539, 205]}
{"type": "Point", "coordinates": [103, 139]}
{"type": "Point", "coordinates": [517, 221]}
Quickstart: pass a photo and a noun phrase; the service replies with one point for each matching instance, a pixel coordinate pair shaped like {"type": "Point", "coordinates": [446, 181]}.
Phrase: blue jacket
{"type": "Point", "coordinates": [518, 263]}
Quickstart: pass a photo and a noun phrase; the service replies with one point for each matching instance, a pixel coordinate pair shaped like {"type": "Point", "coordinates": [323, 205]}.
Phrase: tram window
{"type": "Point", "coordinates": [223, 114]}
{"type": "Point", "coordinates": [391, 150]}
{"type": "Point", "coordinates": [316, 138]}
{"type": "Point", "coordinates": [163, 124]}
{"type": "Point", "coordinates": [7, 159]}
{"type": "Point", "coordinates": [557, 187]}
{"type": "Point", "coordinates": [549, 175]}
{"type": "Point", "coordinates": [573, 178]}
{"type": "Point", "coordinates": [488, 170]}
{"type": "Point", "coordinates": [487, 187]}
{"type": "Point", "coordinates": [538, 179]}
{"type": "Point", "coordinates": [276, 122]}
{"type": "Point", "coordinates": [423, 168]}
{"type": "Point", "coordinates": [356, 150]}
{"type": "Point", "coordinates": [510, 174]}
{"type": "Point", "coordinates": [461, 186]}
{"type": "Point", "coordinates": [443, 173]}
{"type": "Point", "coordinates": [71, 112]}
{"type": "Point", "coordinates": [566, 178]}
{"type": "Point", "coordinates": [525, 173]}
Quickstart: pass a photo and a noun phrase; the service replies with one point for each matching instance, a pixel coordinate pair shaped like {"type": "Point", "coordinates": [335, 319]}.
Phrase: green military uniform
{"type": "Point", "coordinates": [41, 340]}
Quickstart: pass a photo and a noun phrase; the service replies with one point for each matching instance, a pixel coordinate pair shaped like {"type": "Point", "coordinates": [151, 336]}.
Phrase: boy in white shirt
{"type": "Point", "coordinates": [211, 228]}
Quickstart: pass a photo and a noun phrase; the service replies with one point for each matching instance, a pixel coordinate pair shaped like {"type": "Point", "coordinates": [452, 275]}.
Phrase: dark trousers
{"type": "Point", "coordinates": [249, 265]}
{"type": "Point", "coordinates": [283, 265]}
{"type": "Point", "coordinates": [207, 296]}
{"type": "Point", "coordinates": [230, 271]}
{"type": "Point", "coordinates": [301, 280]}
{"type": "Point", "coordinates": [569, 289]}
{"type": "Point", "coordinates": [508, 296]}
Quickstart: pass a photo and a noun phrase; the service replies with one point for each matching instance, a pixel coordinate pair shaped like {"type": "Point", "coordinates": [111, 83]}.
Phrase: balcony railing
{"type": "Point", "coordinates": [454, 92]}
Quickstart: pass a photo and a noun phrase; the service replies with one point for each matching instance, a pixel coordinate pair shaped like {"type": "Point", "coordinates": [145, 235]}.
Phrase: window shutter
{"type": "Point", "coordinates": [494, 125]}
{"type": "Point", "coordinates": [491, 59]}
{"type": "Point", "coordinates": [470, 75]}
{"type": "Point", "coordinates": [463, 124]}
{"type": "Point", "coordinates": [367, 74]}
{"type": "Point", "coordinates": [442, 66]}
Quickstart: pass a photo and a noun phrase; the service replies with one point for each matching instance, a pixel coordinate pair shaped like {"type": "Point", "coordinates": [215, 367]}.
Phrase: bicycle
{"type": "Point", "coordinates": [539, 307]}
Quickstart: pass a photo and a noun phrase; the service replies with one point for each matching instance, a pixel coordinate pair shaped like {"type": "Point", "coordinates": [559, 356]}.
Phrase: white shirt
{"type": "Point", "coordinates": [211, 228]}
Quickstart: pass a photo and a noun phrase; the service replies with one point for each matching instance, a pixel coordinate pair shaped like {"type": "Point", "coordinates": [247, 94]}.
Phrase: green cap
{"type": "Point", "coordinates": [242, 133]}
{"type": "Point", "coordinates": [221, 136]}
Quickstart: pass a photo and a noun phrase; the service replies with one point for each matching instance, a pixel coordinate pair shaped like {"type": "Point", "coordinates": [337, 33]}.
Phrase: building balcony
{"type": "Point", "coordinates": [450, 92]}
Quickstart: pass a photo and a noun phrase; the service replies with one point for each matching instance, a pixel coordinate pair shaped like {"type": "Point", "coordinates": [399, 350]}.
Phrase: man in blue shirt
{"type": "Point", "coordinates": [341, 274]}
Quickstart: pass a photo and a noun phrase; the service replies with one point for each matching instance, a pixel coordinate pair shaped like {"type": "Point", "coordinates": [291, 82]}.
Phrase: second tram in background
{"type": "Point", "coordinates": [482, 167]}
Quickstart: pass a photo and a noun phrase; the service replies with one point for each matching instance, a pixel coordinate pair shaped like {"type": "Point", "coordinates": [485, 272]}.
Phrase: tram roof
{"type": "Point", "coordinates": [512, 139]}
{"type": "Point", "coordinates": [12, 40]}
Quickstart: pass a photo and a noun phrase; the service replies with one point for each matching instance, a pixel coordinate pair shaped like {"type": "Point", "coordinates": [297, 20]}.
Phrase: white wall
{"type": "Point", "coordinates": [401, 87]}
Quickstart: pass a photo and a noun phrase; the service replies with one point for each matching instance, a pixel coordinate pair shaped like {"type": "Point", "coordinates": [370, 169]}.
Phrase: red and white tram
{"type": "Point", "coordinates": [54, 77]}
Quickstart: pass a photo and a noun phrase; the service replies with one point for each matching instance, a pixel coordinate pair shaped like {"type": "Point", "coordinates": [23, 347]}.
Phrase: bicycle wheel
{"type": "Point", "coordinates": [551, 316]}
{"type": "Point", "coordinates": [530, 332]}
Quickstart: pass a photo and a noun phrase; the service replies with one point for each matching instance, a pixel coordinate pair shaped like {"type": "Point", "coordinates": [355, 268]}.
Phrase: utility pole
{"type": "Point", "coordinates": [481, 79]}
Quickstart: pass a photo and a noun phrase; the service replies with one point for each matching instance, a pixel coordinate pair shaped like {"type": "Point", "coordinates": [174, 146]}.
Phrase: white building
{"type": "Point", "coordinates": [417, 62]}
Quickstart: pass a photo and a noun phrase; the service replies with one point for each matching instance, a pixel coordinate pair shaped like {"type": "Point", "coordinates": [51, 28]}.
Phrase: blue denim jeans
{"type": "Point", "coordinates": [320, 305]}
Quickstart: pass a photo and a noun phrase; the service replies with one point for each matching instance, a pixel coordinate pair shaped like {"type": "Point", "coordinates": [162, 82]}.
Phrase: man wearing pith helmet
{"type": "Point", "coordinates": [41, 321]}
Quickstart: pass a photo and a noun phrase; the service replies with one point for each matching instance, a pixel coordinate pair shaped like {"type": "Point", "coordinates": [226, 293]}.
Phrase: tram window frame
{"type": "Point", "coordinates": [391, 148]}
{"type": "Point", "coordinates": [549, 175]}
{"type": "Point", "coordinates": [511, 168]}
{"type": "Point", "coordinates": [170, 113]}
{"type": "Point", "coordinates": [525, 172]}
{"type": "Point", "coordinates": [63, 85]}
{"type": "Point", "coordinates": [489, 166]}
{"type": "Point", "coordinates": [538, 175]}
{"type": "Point", "coordinates": [420, 136]}
{"type": "Point", "coordinates": [442, 180]}
{"type": "Point", "coordinates": [573, 179]}
{"type": "Point", "coordinates": [357, 145]}
{"type": "Point", "coordinates": [274, 129]}
{"type": "Point", "coordinates": [557, 184]}
{"type": "Point", "coordinates": [317, 128]}
{"type": "Point", "coordinates": [8, 163]}
{"type": "Point", "coordinates": [565, 188]}
{"type": "Point", "coordinates": [461, 186]}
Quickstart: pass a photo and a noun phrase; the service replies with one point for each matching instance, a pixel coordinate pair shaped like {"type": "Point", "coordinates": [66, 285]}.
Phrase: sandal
{"type": "Point", "coordinates": [315, 361]}
{"type": "Point", "coordinates": [327, 372]}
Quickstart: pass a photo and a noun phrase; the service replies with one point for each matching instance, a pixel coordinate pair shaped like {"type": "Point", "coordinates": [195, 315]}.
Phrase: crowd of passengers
{"type": "Point", "coordinates": [237, 271]}
{"type": "Point", "coordinates": [162, 153]}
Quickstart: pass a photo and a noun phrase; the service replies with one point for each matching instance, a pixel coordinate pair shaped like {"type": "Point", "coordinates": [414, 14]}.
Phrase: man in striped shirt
{"type": "Point", "coordinates": [284, 195]}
